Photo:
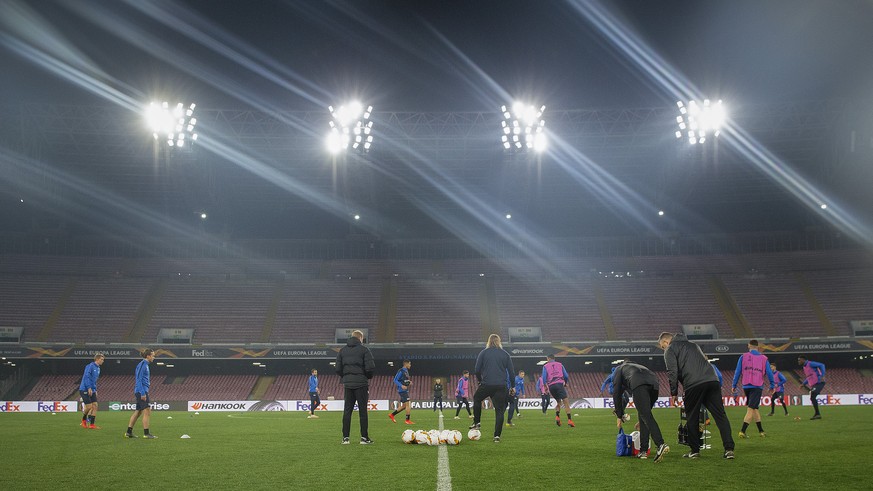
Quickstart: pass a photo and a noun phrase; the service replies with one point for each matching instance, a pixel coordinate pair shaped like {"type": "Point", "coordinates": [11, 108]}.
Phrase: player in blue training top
{"type": "Point", "coordinates": [402, 382]}
{"type": "Point", "coordinates": [608, 383]}
{"type": "Point", "coordinates": [545, 396]}
{"type": "Point", "coordinates": [314, 392]}
{"type": "Point", "coordinates": [141, 394]}
{"type": "Point", "coordinates": [513, 401]}
{"type": "Point", "coordinates": [462, 395]}
{"type": "Point", "coordinates": [778, 390]}
{"type": "Point", "coordinates": [88, 391]}
{"type": "Point", "coordinates": [813, 380]}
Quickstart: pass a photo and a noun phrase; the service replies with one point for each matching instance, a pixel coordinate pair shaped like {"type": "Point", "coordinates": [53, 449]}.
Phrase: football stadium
{"type": "Point", "coordinates": [294, 244]}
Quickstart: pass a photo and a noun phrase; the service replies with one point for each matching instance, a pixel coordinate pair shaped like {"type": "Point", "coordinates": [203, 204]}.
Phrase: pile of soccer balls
{"type": "Point", "coordinates": [437, 437]}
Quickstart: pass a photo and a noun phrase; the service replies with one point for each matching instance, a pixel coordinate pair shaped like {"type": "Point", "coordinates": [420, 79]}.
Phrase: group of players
{"type": "Point", "coordinates": [142, 385]}
{"type": "Point", "coordinates": [685, 361]}
{"type": "Point", "coordinates": [686, 365]}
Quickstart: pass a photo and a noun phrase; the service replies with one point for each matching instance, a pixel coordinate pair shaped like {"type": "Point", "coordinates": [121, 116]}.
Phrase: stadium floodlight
{"type": "Point", "coordinates": [173, 124]}
{"type": "Point", "coordinates": [699, 121]}
{"type": "Point", "coordinates": [523, 127]}
{"type": "Point", "coordinates": [350, 127]}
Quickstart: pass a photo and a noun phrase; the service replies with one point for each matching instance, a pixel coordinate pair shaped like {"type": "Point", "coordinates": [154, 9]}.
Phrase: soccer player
{"type": "Point", "coordinates": [752, 366]}
{"type": "Point", "coordinates": [355, 366]}
{"type": "Point", "coordinates": [314, 392]}
{"type": "Point", "coordinates": [461, 394]}
{"type": "Point", "coordinates": [402, 382]}
{"type": "Point", "coordinates": [558, 380]}
{"type": "Point", "coordinates": [686, 362]}
{"type": "Point", "coordinates": [438, 395]}
{"type": "Point", "coordinates": [141, 394]}
{"type": "Point", "coordinates": [513, 401]}
{"type": "Point", "coordinates": [643, 384]}
{"type": "Point", "coordinates": [778, 391]}
{"type": "Point", "coordinates": [813, 381]}
{"type": "Point", "coordinates": [545, 397]}
{"type": "Point", "coordinates": [493, 372]}
{"type": "Point", "coordinates": [608, 382]}
{"type": "Point", "coordinates": [88, 391]}
{"type": "Point", "coordinates": [718, 374]}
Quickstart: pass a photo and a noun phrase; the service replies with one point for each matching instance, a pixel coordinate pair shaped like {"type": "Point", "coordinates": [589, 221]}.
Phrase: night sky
{"type": "Point", "coordinates": [448, 56]}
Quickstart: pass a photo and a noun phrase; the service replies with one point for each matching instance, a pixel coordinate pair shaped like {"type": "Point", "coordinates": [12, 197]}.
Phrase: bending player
{"type": "Point", "coordinates": [814, 381]}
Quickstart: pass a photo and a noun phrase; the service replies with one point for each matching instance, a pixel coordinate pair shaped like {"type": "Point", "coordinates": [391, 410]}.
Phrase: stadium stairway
{"type": "Point", "coordinates": [47, 328]}
{"type": "Point", "coordinates": [732, 313]}
{"type": "Point", "coordinates": [146, 310]}
{"type": "Point", "coordinates": [604, 313]}
{"type": "Point", "coordinates": [261, 387]}
{"type": "Point", "coordinates": [816, 307]}
{"type": "Point", "coordinates": [387, 331]}
{"type": "Point", "coordinates": [270, 321]}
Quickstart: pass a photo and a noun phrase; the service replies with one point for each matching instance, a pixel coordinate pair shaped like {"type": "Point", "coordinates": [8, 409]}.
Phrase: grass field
{"type": "Point", "coordinates": [287, 451]}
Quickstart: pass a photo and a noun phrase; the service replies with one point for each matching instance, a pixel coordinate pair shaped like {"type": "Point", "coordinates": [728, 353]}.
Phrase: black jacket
{"type": "Point", "coordinates": [686, 364]}
{"type": "Point", "coordinates": [627, 377]}
{"type": "Point", "coordinates": [437, 390]}
{"type": "Point", "coordinates": [493, 367]}
{"type": "Point", "coordinates": [355, 364]}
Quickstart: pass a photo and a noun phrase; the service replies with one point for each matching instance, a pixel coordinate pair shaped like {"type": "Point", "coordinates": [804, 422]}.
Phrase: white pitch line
{"type": "Point", "coordinates": [444, 477]}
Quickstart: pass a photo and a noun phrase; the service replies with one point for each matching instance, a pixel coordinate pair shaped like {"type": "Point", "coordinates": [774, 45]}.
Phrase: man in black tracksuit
{"type": "Point", "coordinates": [355, 365]}
{"type": "Point", "coordinates": [494, 372]}
{"type": "Point", "coordinates": [686, 364]}
{"type": "Point", "coordinates": [643, 385]}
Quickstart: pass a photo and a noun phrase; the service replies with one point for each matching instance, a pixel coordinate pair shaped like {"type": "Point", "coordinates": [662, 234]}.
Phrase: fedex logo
{"type": "Point", "coordinates": [9, 407]}
{"type": "Point", "coordinates": [865, 399]}
{"type": "Point", "coordinates": [829, 400]}
{"type": "Point", "coordinates": [52, 407]}
{"type": "Point", "coordinates": [302, 406]}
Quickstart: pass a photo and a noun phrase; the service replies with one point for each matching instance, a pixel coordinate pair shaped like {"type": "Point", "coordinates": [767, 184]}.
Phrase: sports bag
{"type": "Point", "coordinates": [624, 444]}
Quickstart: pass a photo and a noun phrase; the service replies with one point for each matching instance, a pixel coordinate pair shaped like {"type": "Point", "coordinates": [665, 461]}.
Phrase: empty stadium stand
{"type": "Point", "coordinates": [74, 299]}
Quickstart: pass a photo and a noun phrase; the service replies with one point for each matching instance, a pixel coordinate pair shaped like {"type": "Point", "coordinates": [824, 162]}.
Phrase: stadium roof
{"type": "Point", "coordinates": [76, 154]}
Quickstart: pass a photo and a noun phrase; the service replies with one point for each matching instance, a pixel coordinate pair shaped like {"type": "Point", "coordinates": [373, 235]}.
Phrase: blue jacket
{"type": "Point", "coordinates": [519, 386]}
{"type": "Point", "coordinates": [89, 378]}
{"type": "Point", "coordinates": [313, 383]}
{"type": "Point", "coordinates": [719, 375]}
{"type": "Point", "coordinates": [143, 378]}
{"type": "Point", "coordinates": [402, 375]}
{"type": "Point", "coordinates": [608, 381]}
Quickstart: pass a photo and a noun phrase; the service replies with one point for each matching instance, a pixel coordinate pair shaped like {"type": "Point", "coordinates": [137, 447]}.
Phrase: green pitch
{"type": "Point", "coordinates": [288, 451]}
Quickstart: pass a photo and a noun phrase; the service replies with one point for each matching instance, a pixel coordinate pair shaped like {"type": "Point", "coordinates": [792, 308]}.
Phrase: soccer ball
{"type": "Point", "coordinates": [422, 437]}
{"type": "Point", "coordinates": [408, 436]}
{"type": "Point", "coordinates": [452, 437]}
{"type": "Point", "coordinates": [433, 437]}
{"type": "Point", "coordinates": [445, 435]}
{"type": "Point", "coordinates": [474, 434]}
{"type": "Point", "coordinates": [626, 417]}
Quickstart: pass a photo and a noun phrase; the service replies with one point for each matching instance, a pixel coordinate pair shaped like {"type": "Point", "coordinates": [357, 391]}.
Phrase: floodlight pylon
{"type": "Point", "coordinates": [350, 127]}
{"type": "Point", "coordinates": [698, 121]}
{"type": "Point", "coordinates": [522, 127]}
